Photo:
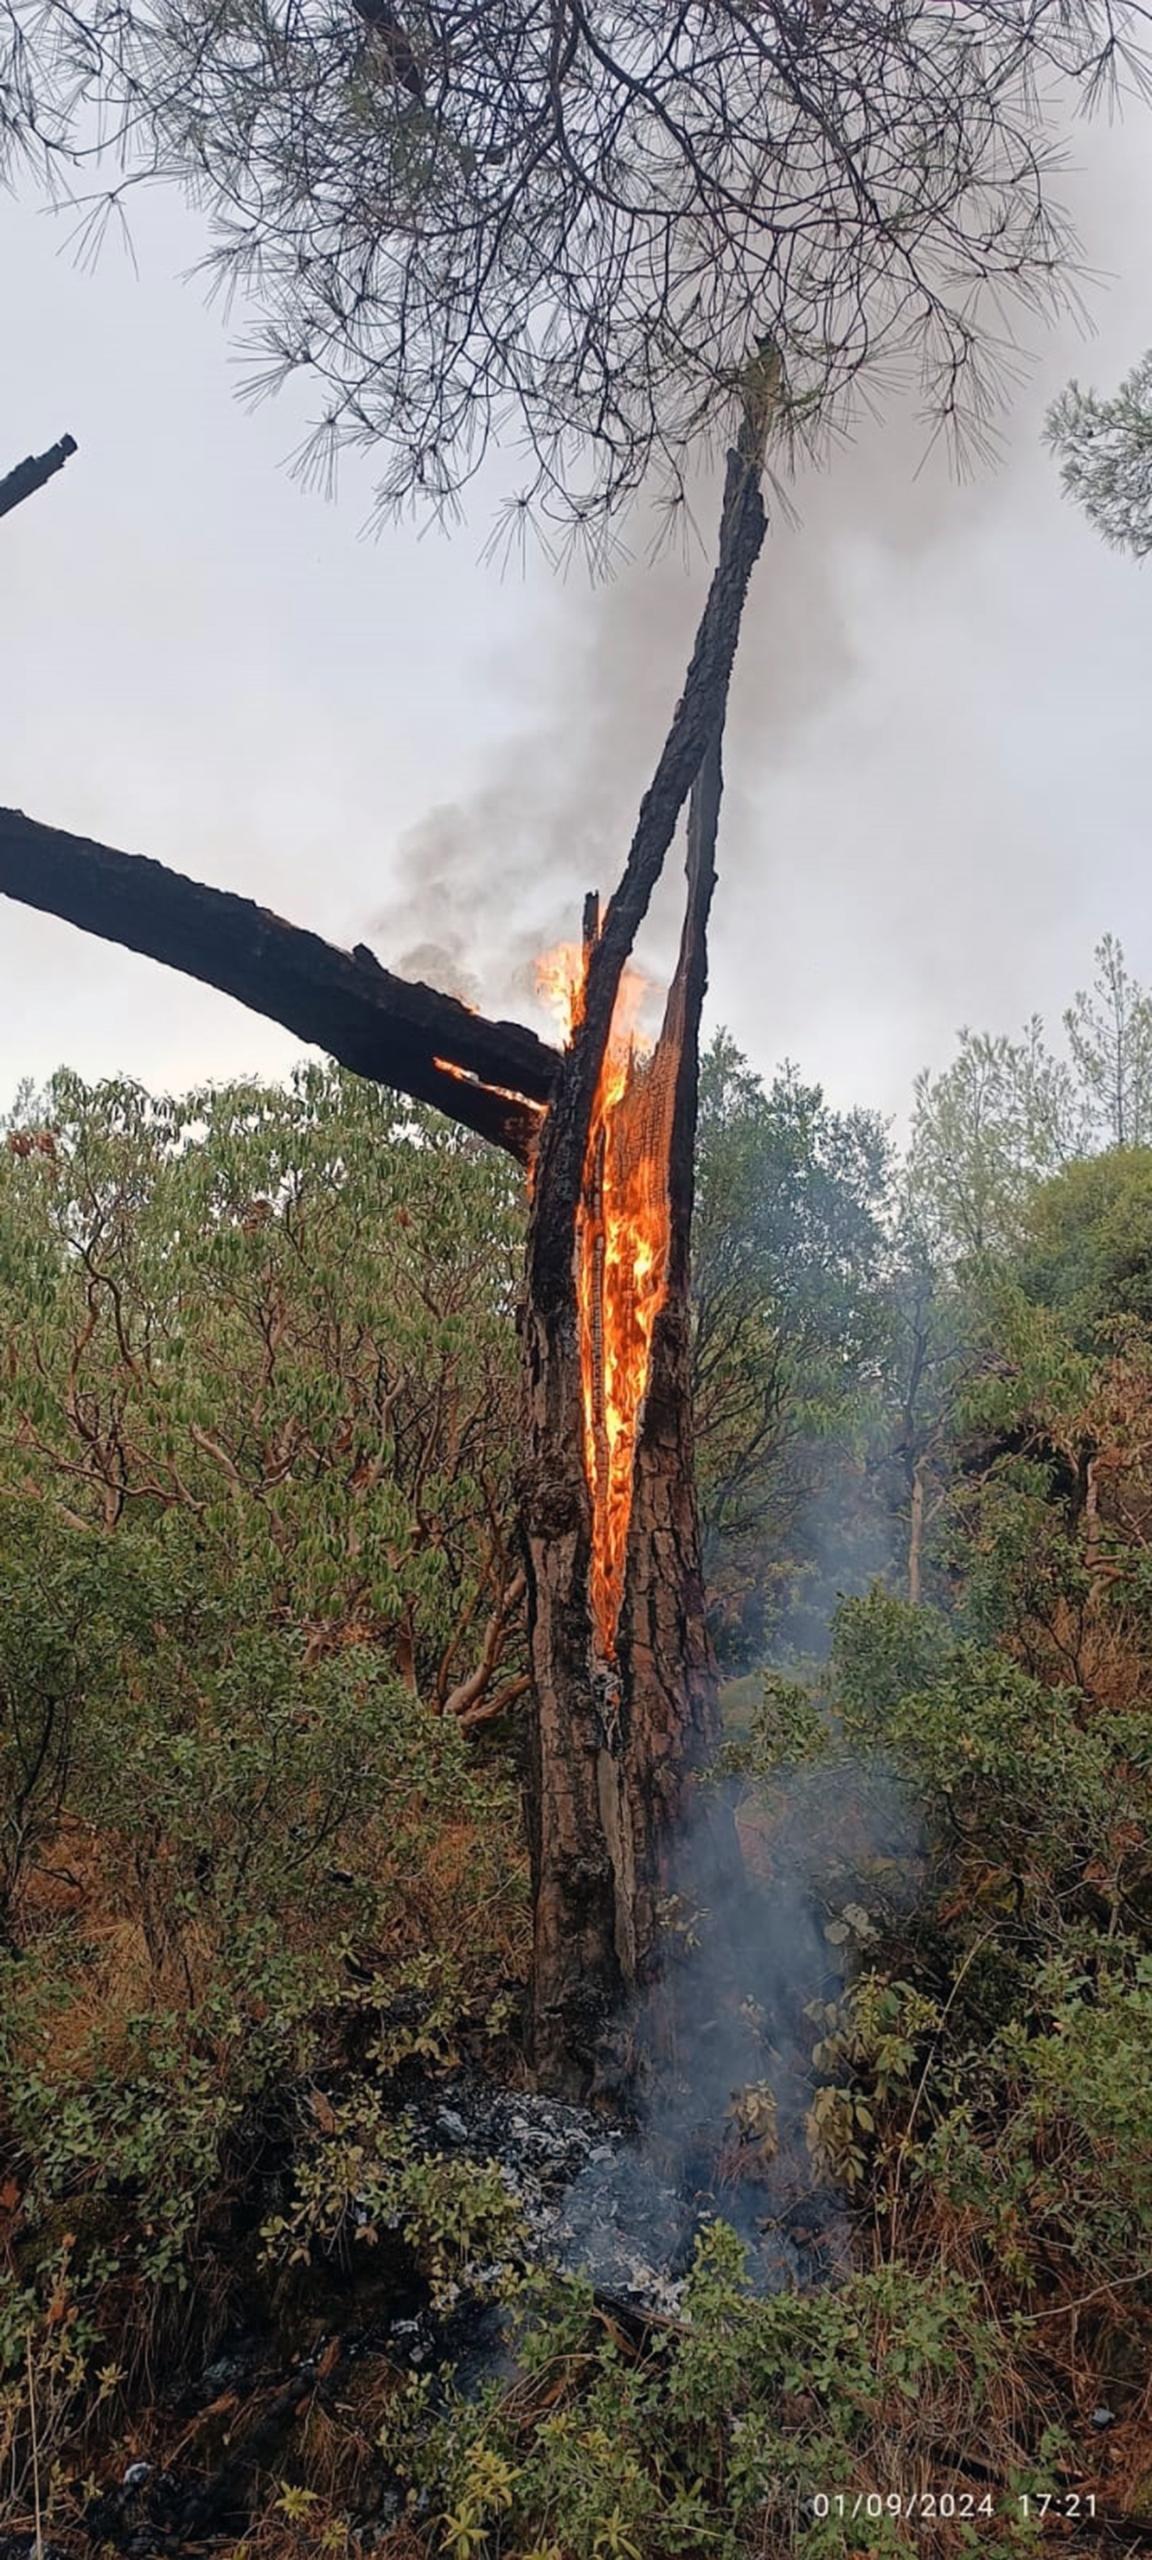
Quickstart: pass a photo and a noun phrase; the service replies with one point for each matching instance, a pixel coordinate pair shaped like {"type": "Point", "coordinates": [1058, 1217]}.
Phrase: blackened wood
{"type": "Point", "coordinates": [615, 1747]}
{"type": "Point", "coordinates": [681, 1842]}
{"type": "Point", "coordinates": [698, 718]}
{"type": "Point", "coordinates": [392, 1029]}
{"type": "Point", "coordinates": [31, 474]}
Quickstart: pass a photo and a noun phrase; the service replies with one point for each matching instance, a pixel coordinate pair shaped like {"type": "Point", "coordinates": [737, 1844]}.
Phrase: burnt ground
{"type": "Point", "coordinates": [595, 2198]}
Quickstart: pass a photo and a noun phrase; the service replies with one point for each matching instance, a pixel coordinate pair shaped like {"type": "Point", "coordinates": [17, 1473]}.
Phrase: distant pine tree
{"type": "Point", "coordinates": [1105, 449]}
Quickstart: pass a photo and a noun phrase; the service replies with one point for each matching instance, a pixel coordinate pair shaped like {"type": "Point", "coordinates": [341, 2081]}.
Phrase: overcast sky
{"type": "Point", "coordinates": [940, 762]}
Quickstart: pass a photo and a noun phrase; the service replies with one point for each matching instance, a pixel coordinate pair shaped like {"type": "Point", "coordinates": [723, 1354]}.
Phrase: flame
{"type": "Point", "coordinates": [622, 1241]}
{"type": "Point", "coordinates": [507, 1092]}
{"type": "Point", "coordinates": [560, 986]}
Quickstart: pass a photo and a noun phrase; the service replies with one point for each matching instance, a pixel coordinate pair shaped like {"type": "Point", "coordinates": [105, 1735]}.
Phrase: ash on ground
{"type": "Point", "coordinates": [624, 2210]}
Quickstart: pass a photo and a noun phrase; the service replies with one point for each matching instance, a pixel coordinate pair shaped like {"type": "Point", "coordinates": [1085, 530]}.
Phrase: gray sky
{"type": "Point", "coordinates": [940, 759]}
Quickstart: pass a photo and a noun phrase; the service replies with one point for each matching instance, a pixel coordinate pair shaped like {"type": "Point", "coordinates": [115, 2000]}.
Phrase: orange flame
{"type": "Point", "coordinates": [622, 1241]}
{"type": "Point", "coordinates": [506, 1092]}
{"type": "Point", "coordinates": [560, 986]}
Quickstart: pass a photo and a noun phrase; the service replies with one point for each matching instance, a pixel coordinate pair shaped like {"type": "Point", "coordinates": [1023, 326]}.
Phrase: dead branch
{"type": "Point", "coordinates": [32, 473]}
{"type": "Point", "coordinates": [492, 1077]}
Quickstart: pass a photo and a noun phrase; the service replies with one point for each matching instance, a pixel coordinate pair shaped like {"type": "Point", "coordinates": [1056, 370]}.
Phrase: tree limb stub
{"type": "Point", "coordinates": [491, 1077]}
{"type": "Point", "coordinates": [32, 473]}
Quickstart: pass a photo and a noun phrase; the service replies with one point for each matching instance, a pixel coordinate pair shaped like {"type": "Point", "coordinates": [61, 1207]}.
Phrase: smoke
{"type": "Point", "coordinates": [480, 886]}
{"type": "Point", "coordinates": [912, 747]}
{"type": "Point", "coordinates": [726, 2040]}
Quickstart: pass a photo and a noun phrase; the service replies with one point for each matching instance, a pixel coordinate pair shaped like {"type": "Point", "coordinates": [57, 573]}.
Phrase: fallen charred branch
{"type": "Point", "coordinates": [492, 1077]}
{"type": "Point", "coordinates": [32, 473]}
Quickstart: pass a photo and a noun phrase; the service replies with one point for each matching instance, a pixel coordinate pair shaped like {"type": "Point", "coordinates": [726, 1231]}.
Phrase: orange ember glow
{"type": "Point", "coordinates": [506, 1092]}
{"type": "Point", "coordinates": [622, 1241]}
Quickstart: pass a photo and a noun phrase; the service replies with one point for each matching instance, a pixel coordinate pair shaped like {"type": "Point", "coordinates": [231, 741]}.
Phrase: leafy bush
{"type": "Point", "coordinates": [717, 2436]}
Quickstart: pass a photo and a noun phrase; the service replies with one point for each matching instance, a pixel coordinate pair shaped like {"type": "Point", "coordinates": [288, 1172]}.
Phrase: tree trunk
{"type": "Point", "coordinates": [617, 1745]}
{"type": "Point", "coordinates": [915, 1534]}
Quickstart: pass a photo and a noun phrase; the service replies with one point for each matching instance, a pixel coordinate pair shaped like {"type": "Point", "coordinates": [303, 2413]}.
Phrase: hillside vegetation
{"type": "Point", "coordinates": [261, 1864]}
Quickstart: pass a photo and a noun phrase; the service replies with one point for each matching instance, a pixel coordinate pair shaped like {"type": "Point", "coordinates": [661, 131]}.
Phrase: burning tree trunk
{"type": "Point", "coordinates": [624, 1697]}
{"type": "Point", "coordinates": [624, 1678]}
{"type": "Point", "coordinates": [624, 1688]}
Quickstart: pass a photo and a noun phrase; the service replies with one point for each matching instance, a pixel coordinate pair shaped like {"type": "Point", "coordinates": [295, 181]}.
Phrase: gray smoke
{"type": "Point", "coordinates": [908, 745]}
{"type": "Point", "coordinates": [726, 2042]}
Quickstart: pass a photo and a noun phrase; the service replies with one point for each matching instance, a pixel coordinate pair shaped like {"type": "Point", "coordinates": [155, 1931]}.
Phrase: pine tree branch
{"type": "Point", "coordinates": [491, 1077]}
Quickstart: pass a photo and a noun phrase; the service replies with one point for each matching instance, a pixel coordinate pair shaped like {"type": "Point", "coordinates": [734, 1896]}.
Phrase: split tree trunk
{"type": "Point", "coordinates": [615, 1748]}
{"type": "Point", "coordinates": [618, 1749]}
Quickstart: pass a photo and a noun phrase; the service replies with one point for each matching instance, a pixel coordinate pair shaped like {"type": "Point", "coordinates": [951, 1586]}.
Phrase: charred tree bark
{"type": "Point", "coordinates": [486, 1075]}
{"type": "Point", "coordinates": [616, 1747]}
{"type": "Point", "coordinates": [32, 473]}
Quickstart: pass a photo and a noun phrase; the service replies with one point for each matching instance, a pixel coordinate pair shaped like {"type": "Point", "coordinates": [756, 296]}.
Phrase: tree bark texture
{"type": "Point", "coordinates": [616, 1747]}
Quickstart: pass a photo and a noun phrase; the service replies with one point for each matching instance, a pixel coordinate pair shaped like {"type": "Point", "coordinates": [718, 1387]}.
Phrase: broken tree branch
{"type": "Point", "coordinates": [492, 1077]}
{"type": "Point", "coordinates": [32, 473]}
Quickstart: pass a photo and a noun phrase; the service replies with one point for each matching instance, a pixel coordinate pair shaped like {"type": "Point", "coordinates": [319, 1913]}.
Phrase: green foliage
{"type": "Point", "coordinates": [1008, 1114]}
{"type": "Point", "coordinates": [715, 2439]}
{"type": "Point", "coordinates": [1015, 1780]}
{"type": "Point", "coordinates": [985, 1130]}
{"type": "Point", "coordinates": [284, 1314]}
{"type": "Point", "coordinates": [1086, 1248]}
{"type": "Point", "coordinates": [257, 1390]}
{"type": "Point", "coordinates": [1105, 451]}
{"type": "Point", "coordinates": [359, 2173]}
{"type": "Point", "coordinates": [258, 1815]}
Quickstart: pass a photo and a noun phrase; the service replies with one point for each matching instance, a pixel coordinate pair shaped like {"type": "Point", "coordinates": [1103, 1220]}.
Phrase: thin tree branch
{"type": "Point", "coordinates": [492, 1077]}
{"type": "Point", "coordinates": [31, 474]}
{"type": "Point", "coordinates": [463, 1700]}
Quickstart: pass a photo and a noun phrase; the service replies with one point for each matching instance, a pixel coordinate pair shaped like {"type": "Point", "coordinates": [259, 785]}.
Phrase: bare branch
{"type": "Point", "coordinates": [468, 1696]}
{"type": "Point", "coordinates": [31, 474]}
{"type": "Point", "coordinates": [492, 1077]}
